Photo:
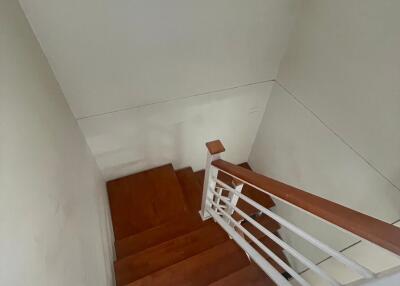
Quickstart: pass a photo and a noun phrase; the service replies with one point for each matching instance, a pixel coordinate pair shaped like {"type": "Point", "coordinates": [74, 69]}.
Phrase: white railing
{"type": "Point", "coordinates": [220, 203]}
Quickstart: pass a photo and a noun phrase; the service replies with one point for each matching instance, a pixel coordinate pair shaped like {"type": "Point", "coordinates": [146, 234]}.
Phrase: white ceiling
{"type": "Point", "coordinates": [129, 69]}
{"type": "Point", "coordinates": [112, 55]}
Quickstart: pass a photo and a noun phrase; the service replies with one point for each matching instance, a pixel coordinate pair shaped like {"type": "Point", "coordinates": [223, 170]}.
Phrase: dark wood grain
{"type": "Point", "coordinates": [369, 228]}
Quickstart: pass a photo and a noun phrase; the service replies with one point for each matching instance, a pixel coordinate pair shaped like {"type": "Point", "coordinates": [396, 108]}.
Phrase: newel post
{"type": "Point", "coordinates": [214, 150]}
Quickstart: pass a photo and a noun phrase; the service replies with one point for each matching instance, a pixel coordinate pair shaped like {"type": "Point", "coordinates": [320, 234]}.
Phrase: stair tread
{"type": "Point", "coordinates": [254, 194]}
{"type": "Point", "coordinates": [269, 243]}
{"type": "Point", "coordinates": [144, 200]}
{"type": "Point", "coordinates": [156, 235]}
{"type": "Point", "coordinates": [265, 221]}
{"type": "Point", "coordinates": [191, 187]}
{"type": "Point", "coordinates": [275, 248]}
{"type": "Point", "coordinates": [167, 253]}
{"type": "Point", "coordinates": [250, 275]}
{"type": "Point", "coordinates": [161, 239]}
{"type": "Point", "coordinates": [200, 269]}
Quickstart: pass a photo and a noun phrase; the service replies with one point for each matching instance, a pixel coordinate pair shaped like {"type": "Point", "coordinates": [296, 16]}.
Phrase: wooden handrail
{"type": "Point", "coordinates": [369, 228]}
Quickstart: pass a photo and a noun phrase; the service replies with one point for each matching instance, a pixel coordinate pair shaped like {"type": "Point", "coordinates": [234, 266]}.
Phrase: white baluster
{"type": "Point", "coordinates": [233, 198]}
{"type": "Point", "coordinates": [214, 149]}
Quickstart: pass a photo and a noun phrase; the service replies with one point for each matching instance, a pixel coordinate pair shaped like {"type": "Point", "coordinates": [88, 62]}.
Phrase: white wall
{"type": "Point", "coordinates": [134, 71]}
{"type": "Point", "coordinates": [294, 147]}
{"type": "Point", "coordinates": [365, 253]}
{"type": "Point", "coordinates": [331, 124]}
{"type": "Point", "coordinates": [343, 64]}
{"type": "Point", "coordinates": [54, 227]}
{"type": "Point", "coordinates": [129, 141]}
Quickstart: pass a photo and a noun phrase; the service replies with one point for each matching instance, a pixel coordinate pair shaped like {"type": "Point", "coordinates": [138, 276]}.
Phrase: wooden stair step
{"type": "Point", "coordinates": [265, 221]}
{"type": "Point", "coordinates": [200, 176]}
{"type": "Point", "coordinates": [156, 235]}
{"type": "Point", "coordinates": [250, 275]}
{"type": "Point", "coordinates": [144, 200]}
{"type": "Point", "coordinates": [272, 226]}
{"type": "Point", "coordinates": [275, 248]}
{"type": "Point", "coordinates": [201, 269]}
{"type": "Point", "coordinates": [192, 190]}
{"type": "Point", "coordinates": [170, 252]}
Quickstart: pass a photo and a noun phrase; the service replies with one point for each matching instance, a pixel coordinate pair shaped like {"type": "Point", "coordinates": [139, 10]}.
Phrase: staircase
{"type": "Point", "coordinates": [171, 228]}
{"type": "Point", "coordinates": [161, 239]}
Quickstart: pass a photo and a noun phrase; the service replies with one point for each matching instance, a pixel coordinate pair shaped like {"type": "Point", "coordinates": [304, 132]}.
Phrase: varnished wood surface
{"type": "Point", "coordinates": [254, 194]}
{"type": "Point", "coordinates": [275, 248]}
{"type": "Point", "coordinates": [201, 269]}
{"type": "Point", "coordinates": [167, 253]}
{"type": "Point", "coordinates": [144, 200]}
{"type": "Point", "coordinates": [215, 147]}
{"type": "Point", "coordinates": [369, 228]}
{"type": "Point", "coordinates": [156, 235]}
{"type": "Point", "coordinates": [265, 221]}
{"type": "Point", "coordinates": [273, 227]}
{"type": "Point", "coordinates": [250, 275]}
{"type": "Point", "coordinates": [157, 245]}
{"type": "Point", "coordinates": [192, 190]}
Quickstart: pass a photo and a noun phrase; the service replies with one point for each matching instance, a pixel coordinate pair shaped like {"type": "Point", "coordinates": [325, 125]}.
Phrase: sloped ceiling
{"type": "Point", "coordinates": [112, 56]}
{"type": "Point", "coordinates": [109, 55]}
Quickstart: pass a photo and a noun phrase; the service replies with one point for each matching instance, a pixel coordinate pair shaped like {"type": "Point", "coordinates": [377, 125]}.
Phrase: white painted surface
{"type": "Point", "coordinates": [388, 278]}
{"type": "Point", "coordinates": [110, 55]}
{"type": "Point", "coordinates": [365, 253]}
{"type": "Point", "coordinates": [296, 148]}
{"type": "Point", "coordinates": [210, 173]}
{"type": "Point", "coordinates": [133, 140]}
{"type": "Point", "coordinates": [344, 64]}
{"type": "Point", "coordinates": [53, 216]}
{"type": "Point", "coordinates": [113, 56]}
